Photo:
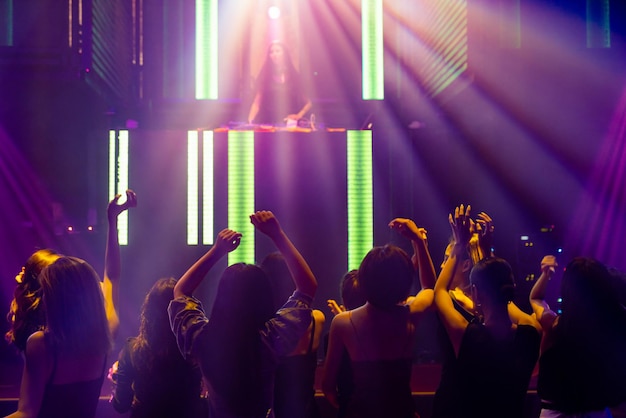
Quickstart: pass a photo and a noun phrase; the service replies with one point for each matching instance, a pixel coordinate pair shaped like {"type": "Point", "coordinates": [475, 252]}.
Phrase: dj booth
{"type": "Point", "coordinates": [192, 184]}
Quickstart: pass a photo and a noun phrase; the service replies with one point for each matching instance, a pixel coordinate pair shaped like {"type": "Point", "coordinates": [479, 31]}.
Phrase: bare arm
{"type": "Point", "coordinates": [424, 263]}
{"type": "Point", "coordinates": [454, 323]}
{"type": "Point", "coordinates": [307, 106]}
{"type": "Point", "coordinates": [37, 369]}
{"type": "Point", "coordinates": [112, 263]}
{"type": "Point", "coordinates": [336, 350]}
{"type": "Point", "coordinates": [302, 276]}
{"type": "Point", "coordinates": [254, 108]}
{"type": "Point", "coordinates": [227, 241]}
{"type": "Point", "coordinates": [537, 296]}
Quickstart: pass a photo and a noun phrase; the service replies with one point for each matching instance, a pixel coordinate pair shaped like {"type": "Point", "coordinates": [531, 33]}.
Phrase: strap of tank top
{"type": "Point", "coordinates": [360, 344]}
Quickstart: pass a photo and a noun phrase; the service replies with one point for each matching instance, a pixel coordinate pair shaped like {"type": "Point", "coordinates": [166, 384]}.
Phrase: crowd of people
{"type": "Point", "coordinates": [254, 353]}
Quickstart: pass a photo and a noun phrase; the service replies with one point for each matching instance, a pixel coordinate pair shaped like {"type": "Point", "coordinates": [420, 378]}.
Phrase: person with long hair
{"type": "Point", "coordinates": [582, 363]}
{"type": "Point", "coordinates": [279, 95]}
{"type": "Point", "coordinates": [65, 361]}
{"type": "Point", "coordinates": [26, 314]}
{"type": "Point", "coordinates": [239, 344]}
{"type": "Point", "coordinates": [495, 356]}
{"type": "Point", "coordinates": [152, 379]}
{"type": "Point", "coordinates": [379, 336]}
{"type": "Point", "coordinates": [294, 387]}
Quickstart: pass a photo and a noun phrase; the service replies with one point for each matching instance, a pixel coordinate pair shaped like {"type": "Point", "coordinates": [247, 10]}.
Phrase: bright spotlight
{"type": "Point", "coordinates": [273, 12]}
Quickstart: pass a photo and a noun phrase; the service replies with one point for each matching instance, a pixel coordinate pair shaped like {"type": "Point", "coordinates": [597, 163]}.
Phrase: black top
{"type": "Point", "coordinates": [575, 380]}
{"type": "Point", "coordinates": [494, 372]}
{"type": "Point", "coordinates": [71, 400]}
{"type": "Point", "coordinates": [294, 391]}
{"type": "Point", "coordinates": [171, 387]}
{"type": "Point", "coordinates": [443, 404]}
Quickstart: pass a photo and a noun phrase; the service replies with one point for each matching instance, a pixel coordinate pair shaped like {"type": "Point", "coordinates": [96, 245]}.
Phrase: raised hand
{"type": "Point", "coordinates": [114, 209]}
{"type": "Point", "coordinates": [549, 264]}
{"type": "Point", "coordinates": [408, 229]}
{"type": "Point", "coordinates": [461, 224]}
{"type": "Point", "coordinates": [484, 230]}
{"type": "Point", "coordinates": [227, 240]}
{"type": "Point", "coordinates": [335, 308]}
{"type": "Point", "coordinates": [266, 222]}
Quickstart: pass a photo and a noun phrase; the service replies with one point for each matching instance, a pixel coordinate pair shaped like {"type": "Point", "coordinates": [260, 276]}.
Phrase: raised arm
{"type": "Point", "coordinates": [302, 276]}
{"type": "Point", "coordinates": [112, 259]}
{"type": "Point", "coordinates": [537, 296]}
{"type": "Point", "coordinates": [424, 263]}
{"type": "Point", "coordinates": [454, 323]}
{"type": "Point", "coordinates": [227, 240]}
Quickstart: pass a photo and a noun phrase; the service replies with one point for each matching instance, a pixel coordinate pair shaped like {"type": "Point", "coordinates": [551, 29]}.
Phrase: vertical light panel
{"type": "Point", "coordinates": [241, 193]}
{"type": "Point", "coordinates": [192, 188]}
{"type": "Point", "coordinates": [449, 58]}
{"type": "Point", "coordinates": [206, 49]}
{"type": "Point", "coordinates": [122, 185]}
{"type": "Point", "coordinates": [207, 188]}
{"type": "Point", "coordinates": [6, 23]}
{"type": "Point", "coordinates": [372, 50]}
{"type": "Point", "coordinates": [598, 24]}
{"type": "Point", "coordinates": [118, 177]}
{"type": "Point", "coordinates": [360, 196]}
{"type": "Point", "coordinates": [112, 164]}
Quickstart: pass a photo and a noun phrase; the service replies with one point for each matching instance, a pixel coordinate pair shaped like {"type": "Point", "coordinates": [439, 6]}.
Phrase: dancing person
{"type": "Point", "coordinates": [237, 347]}
{"type": "Point", "coordinates": [151, 378]}
{"type": "Point", "coordinates": [351, 294]}
{"type": "Point", "coordinates": [495, 356]}
{"type": "Point", "coordinates": [26, 313]}
{"type": "Point", "coordinates": [582, 364]}
{"type": "Point", "coordinates": [294, 385]}
{"type": "Point", "coordinates": [279, 96]}
{"type": "Point", "coordinates": [352, 297]}
{"type": "Point", "coordinates": [64, 363]}
{"type": "Point", "coordinates": [379, 335]}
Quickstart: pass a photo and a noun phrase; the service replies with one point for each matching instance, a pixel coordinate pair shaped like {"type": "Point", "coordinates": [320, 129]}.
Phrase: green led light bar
{"type": "Point", "coordinates": [118, 177]}
{"type": "Point", "coordinates": [241, 193]}
{"type": "Point", "coordinates": [207, 188]}
{"type": "Point", "coordinates": [206, 49]}
{"type": "Point", "coordinates": [192, 188]}
{"type": "Point", "coordinates": [373, 73]}
{"type": "Point", "coordinates": [360, 196]}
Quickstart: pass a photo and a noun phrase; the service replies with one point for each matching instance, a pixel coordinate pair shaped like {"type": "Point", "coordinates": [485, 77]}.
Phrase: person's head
{"type": "Point", "coordinates": [352, 295]}
{"type": "Point", "coordinates": [74, 307]}
{"type": "Point", "coordinates": [275, 267]}
{"type": "Point", "coordinates": [25, 314]}
{"type": "Point", "coordinates": [588, 285]}
{"type": "Point", "coordinates": [154, 327]}
{"type": "Point", "coordinates": [243, 304]}
{"type": "Point", "coordinates": [492, 283]}
{"type": "Point", "coordinates": [386, 275]}
{"type": "Point", "coordinates": [244, 297]}
{"type": "Point", "coordinates": [278, 54]}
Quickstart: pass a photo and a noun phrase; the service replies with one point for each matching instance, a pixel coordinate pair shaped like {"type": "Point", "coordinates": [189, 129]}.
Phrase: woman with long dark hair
{"type": "Point", "coordinates": [152, 378]}
{"type": "Point", "coordinates": [279, 94]}
{"type": "Point", "coordinates": [582, 363]}
{"type": "Point", "coordinates": [239, 344]}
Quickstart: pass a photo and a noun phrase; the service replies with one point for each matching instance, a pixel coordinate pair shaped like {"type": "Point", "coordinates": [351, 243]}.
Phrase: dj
{"type": "Point", "coordinates": [279, 97]}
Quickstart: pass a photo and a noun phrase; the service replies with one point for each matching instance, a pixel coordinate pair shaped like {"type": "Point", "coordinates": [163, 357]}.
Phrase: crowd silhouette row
{"type": "Point", "coordinates": [255, 354]}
